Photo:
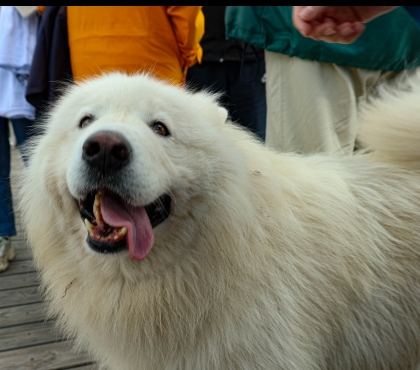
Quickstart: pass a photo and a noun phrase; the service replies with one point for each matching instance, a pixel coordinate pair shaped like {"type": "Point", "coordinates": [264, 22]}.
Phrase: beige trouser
{"type": "Point", "coordinates": [312, 106]}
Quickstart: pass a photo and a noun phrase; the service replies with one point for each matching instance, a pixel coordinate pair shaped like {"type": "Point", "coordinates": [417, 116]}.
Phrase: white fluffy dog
{"type": "Point", "coordinates": [169, 239]}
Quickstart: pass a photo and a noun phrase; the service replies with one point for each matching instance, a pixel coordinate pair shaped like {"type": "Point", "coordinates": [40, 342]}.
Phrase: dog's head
{"type": "Point", "coordinates": [129, 155]}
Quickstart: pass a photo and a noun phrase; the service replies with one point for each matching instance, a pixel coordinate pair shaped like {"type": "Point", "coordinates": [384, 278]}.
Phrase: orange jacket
{"type": "Point", "coordinates": [163, 40]}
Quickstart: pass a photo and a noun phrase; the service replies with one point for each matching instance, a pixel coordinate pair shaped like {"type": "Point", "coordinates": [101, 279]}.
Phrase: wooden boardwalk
{"type": "Point", "coordinates": [27, 340]}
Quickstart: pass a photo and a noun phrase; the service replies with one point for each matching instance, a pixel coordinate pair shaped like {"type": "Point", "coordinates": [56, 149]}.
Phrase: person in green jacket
{"type": "Point", "coordinates": [315, 87]}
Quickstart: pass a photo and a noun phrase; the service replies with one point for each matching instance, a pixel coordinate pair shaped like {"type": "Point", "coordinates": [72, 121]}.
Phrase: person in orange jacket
{"type": "Point", "coordinates": [162, 40]}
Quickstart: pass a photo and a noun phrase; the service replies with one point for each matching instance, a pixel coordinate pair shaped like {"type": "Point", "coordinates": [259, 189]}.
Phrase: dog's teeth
{"type": "Point", "coordinates": [88, 224]}
{"type": "Point", "coordinates": [96, 208]}
{"type": "Point", "coordinates": [123, 231]}
{"type": "Point", "coordinates": [97, 199]}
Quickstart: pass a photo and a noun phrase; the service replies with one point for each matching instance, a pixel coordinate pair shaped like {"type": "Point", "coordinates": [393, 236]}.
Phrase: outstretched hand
{"type": "Point", "coordinates": [336, 24]}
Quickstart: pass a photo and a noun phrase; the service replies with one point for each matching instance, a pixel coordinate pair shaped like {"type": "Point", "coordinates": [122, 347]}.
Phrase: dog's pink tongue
{"type": "Point", "coordinates": [140, 236]}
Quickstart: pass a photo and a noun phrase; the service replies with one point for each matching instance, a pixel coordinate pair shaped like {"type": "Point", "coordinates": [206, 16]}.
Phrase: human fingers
{"type": "Point", "coordinates": [305, 28]}
{"type": "Point", "coordinates": [345, 33]}
{"type": "Point", "coordinates": [350, 32]}
{"type": "Point", "coordinates": [326, 28]}
{"type": "Point", "coordinates": [309, 13]}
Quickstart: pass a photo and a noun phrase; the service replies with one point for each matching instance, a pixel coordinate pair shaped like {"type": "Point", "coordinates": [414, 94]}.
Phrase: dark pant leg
{"type": "Point", "coordinates": [245, 101]}
{"type": "Point", "coordinates": [23, 129]}
{"type": "Point", "coordinates": [247, 95]}
{"type": "Point", "coordinates": [7, 221]}
{"type": "Point", "coordinates": [211, 76]}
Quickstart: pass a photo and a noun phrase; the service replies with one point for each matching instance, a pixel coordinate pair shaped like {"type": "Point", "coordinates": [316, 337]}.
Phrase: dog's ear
{"type": "Point", "coordinates": [223, 114]}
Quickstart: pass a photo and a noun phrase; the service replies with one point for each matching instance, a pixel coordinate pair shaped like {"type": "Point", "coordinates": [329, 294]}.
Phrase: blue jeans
{"type": "Point", "coordinates": [245, 100]}
{"type": "Point", "coordinates": [22, 128]}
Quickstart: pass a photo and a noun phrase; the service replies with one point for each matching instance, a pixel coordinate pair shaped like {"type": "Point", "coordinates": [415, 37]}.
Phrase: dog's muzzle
{"type": "Point", "coordinates": [112, 221]}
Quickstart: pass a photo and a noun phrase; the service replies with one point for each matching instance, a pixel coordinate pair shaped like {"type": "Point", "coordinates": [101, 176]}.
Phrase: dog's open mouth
{"type": "Point", "coordinates": [113, 224]}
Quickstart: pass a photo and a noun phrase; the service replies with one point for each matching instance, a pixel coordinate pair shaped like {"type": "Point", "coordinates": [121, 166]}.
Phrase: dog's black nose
{"type": "Point", "coordinates": [107, 151]}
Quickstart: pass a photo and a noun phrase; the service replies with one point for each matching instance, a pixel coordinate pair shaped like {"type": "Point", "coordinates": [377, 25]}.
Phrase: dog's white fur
{"type": "Point", "coordinates": [268, 261]}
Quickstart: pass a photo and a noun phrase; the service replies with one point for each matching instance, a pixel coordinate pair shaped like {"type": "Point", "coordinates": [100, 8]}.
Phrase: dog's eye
{"type": "Point", "coordinates": [160, 129]}
{"type": "Point", "coordinates": [86, 121]}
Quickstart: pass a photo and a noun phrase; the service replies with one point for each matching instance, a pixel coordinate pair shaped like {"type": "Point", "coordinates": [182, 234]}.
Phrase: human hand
{"type": "Point", "coordinates": [335, 24]}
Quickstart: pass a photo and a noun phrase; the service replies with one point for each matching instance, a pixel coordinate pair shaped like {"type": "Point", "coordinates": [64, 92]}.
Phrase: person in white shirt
{"type": "Point", "coordinates": [17, 44]}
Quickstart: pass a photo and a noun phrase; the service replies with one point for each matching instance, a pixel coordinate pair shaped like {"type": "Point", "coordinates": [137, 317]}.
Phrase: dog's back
{"type": "Point", "coordinates": [379, 328]}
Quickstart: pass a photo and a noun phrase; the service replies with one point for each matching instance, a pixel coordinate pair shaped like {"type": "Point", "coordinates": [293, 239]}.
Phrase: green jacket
{"type": "Point", "coordinates": [390, 42]}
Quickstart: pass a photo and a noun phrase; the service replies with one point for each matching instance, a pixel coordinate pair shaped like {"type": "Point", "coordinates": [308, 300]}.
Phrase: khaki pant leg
{"type": "Point", "coordinates": [312, 106]}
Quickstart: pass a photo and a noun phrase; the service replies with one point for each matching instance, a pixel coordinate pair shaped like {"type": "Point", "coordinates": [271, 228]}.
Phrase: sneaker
{"type": "Point", "coordinates": [7, 253]}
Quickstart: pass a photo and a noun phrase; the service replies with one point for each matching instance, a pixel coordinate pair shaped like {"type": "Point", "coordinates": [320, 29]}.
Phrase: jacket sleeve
{"type": "Point", "coordinates": [188, 25]}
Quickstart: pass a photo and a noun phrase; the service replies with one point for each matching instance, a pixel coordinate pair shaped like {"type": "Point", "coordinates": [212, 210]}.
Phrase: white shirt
{"type": "Point", "coordinates": [17, 44]}
{"type": "Point", "coordinates": [17, 39]}
{"type": "Point", "coordinates": [13, 103]}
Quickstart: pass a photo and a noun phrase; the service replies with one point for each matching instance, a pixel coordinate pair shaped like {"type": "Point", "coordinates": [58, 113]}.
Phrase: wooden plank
{"type": "Point", "coordinates": [19, 243]}
{"type": "Point", "coordinates": [18, 281]}
{"type": "Point", "coordinates": [18, 297]}
{"type": "Point", "coordinates": [27, 335]}
{"type": "Point", "coordinates": [20, 248]}
{"type": "Point", "coordinates": [87, 367]}
{"type": "Point", "coordinates": [19, 267]}
{"type": "Point", "coordinates": [51, 356]}
{"type": "Point", "coordinates": [22, 255]}
{"type": "Point", "coordinates": [19, 315]}
{"type": "Point", "coordinates": [20, 237]}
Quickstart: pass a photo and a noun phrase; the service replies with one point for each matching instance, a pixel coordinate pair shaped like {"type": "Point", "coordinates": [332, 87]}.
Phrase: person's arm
{"type": "Point", "coordinates": [188, 25]}
{"type": "Point", "coordinates": [339, 24]}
